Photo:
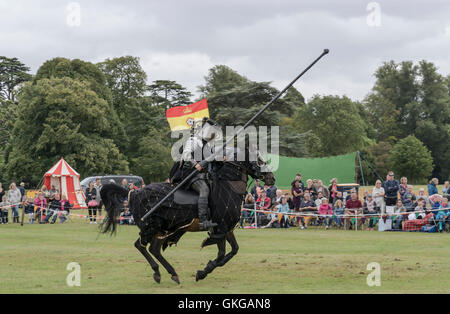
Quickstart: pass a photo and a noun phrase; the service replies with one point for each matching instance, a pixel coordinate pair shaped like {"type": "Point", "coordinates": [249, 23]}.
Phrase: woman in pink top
{"type": "Point", "coordinates": [326, 210]}
{"type": "Point", "coordinates": [41, 203]}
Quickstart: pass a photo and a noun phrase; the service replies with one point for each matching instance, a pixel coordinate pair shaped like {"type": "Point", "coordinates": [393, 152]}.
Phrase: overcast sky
{"type": "Point", "coordinates": [261, 39]}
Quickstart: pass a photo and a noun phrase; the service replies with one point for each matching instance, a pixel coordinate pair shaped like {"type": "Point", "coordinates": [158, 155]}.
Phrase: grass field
{"type": "Point", "coordinates": [33, 259]}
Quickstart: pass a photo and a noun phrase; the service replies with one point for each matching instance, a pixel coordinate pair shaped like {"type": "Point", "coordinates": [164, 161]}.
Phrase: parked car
{"type": "Point", "coordinates": [137, 180]}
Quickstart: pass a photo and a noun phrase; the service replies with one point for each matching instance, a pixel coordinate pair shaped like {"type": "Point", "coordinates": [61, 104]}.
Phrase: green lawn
{"type": "Point", "coordinates": [33, 259]}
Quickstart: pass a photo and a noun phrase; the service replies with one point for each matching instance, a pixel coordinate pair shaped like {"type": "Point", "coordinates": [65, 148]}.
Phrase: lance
{"type": "Point", "coordinates": [210, 158]}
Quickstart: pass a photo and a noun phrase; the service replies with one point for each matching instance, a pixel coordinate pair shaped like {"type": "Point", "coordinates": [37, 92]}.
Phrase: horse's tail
{"type": "Point", "coordinates": [112, 196]}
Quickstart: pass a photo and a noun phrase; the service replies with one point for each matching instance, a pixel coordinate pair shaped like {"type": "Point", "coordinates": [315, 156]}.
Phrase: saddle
{"type": "Point", "coordinates": [185, 197]}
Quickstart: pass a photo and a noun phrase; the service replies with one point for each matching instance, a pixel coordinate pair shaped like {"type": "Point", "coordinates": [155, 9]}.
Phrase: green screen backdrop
{"type": "Point", "coordinates": [341, 167]}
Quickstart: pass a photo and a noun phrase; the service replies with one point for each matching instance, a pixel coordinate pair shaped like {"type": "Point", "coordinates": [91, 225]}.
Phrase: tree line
{"type": "Point", "coordinates": [109, 118]}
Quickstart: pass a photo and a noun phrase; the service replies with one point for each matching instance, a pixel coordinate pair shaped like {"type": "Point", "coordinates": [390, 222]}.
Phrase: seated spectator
{"type": "Point", "coordinates": [64, 209]}
{"type": "Point", "coordinates": [249, 203]}
{"type": "Point", "coordinates": [29, 210]}
{"type": "Point", "coordinates": [41, 206]}
{"type": "Point", "coordinates": [4, 210]}
{"type": "Point", "coordinates": [419, 210]}
{"type": "Point", "coordinates": [283, 208]}
{"type": "Point", "coordinates": [435, 201]}
{"type": "Point", "coordinates": [319, 199]}
{"type": "Point", "coordinates": [416, 224]}
{"type": "Point", "coordinates": [432, 187]}
{"type": "Point", "coordinates": [443, 215]}
{"type": "Point", "coordinates": [278, 196]}
{"type": "Point", "coordinates": [325, 212]}
{"type": "Point", "coordinates": [323, 189]}
{"type": "Point", "coordinates": [309, 188]}
{"type": "Point", "coordinates": [338, 211]}
{"type": "Point", "coordinates": [421, 194]}
{"type": "Point", "coordinates": [338, 197]}
{"type": "Point", "coordinates": [349, 195]}
{"type": "Point", "coordinates": [270, 191]}
{"type": "Point", "coordinates": [408, 199]}
{"type": "Point", "coordinates": [307, 206]}
{"type": "Point", "coordinates": [263, 204]}
{"type": "Point", "coordinates": [403, 187]}
{"type": "Point", "coordinates": [53, 209]}
{"type": "Point", "coordinates": [370, 208]}
{"type": "Point", "coordinates": [126, 218]}
{"type": "Point", "coordinates": [253, 190]}
{"type": "Point", "coordinates": [446, 189]}
{"type": "Point", "coordinates": [400, 210]}
{"type": "Point", "coordinates": [351, 207]}
{"type": "Point", "coordinates": [333, 190]}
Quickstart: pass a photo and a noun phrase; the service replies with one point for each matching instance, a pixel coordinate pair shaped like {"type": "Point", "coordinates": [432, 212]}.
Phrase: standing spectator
{"type": "Point", "coordinates": [391, 187]}
{"type": "Point", "coordinates": [14, 198]}
{"type": "Point", "coordinates": [45, 192]}
{"type": "Point", "coordinates": [307, 206]}
{"type": "Point", "coordinates": [432, 187]}
{"type": "Point", "coordinates": [91, 194]}
{"type": "Point", "coordinates": [325, 211]}
{"type": "Point", "coordinates": [98, 187]}
{"type": "Point", "coordinates": [2, 191]}
{"type": "Point", "coordinates": [338, 211]}
{"type": "Point", "coordinates": [53, 192]}
{"type": "Point", "coordinates": [446, 189]}
{"type": "Point", "coordinates": [351, 207]}
{"type": "Point", "coordinates": [29, 210]}
{"type": "Point", "coordinates": [403, 186]}
{"type": "Point", "coordinates": [333, 189]}
{"type": "Point", "coordinates": [378, 194]}
{"type": "Point", "coordinates": [4, 209]}
{"type": "Point", "coordinates": [125, 184]}
{"type": "Point", "coordinates": [298, 177]}
{"type": "Point", "coordinates": [297, 193]}
{"type": "Point", "coordinates": [22, 189]}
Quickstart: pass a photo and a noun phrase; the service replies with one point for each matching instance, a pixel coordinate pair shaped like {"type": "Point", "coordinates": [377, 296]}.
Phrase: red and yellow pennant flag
{"type": "Point", "coordinates": [183, 117]}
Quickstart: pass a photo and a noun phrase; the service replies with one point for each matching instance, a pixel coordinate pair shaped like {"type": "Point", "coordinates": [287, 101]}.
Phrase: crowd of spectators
{"type": "Point", "coordinates": [390, 201]}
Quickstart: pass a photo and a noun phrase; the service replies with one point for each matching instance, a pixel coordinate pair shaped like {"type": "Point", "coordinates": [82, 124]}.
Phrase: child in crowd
{"type": "Point", "coordinates": [283, 208]}
{"type": "Point", "coordinates": [326, 210]}
{"type": "Point", "coordinates": [370, 208]}
{"type": "Point", "coordinates": [338, 212]}
{"type": "Point", "coordinates": [29, 210]}
{"type": "Point", "coordinates": [41, 203]}
{"type": "Point", "coordinates": [4, 209]}
{"type": "Point", "coordinates": [400, 210]}
{"type": "Point", "coordinates": [443, 215]}
{"type": "Point", "coordinates": [126, 217]}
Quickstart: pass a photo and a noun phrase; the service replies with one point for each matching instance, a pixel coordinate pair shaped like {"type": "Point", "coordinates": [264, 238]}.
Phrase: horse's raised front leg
{"type": "Point", "coordinates": [143, 249]}
{"type": "Point", "coordinates": [201, 274]}
{"type": "Point", "coordinates": [155, 249]}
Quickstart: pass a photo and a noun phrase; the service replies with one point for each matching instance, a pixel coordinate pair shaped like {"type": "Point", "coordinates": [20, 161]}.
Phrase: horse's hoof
{"type": "Point", "coordinates": [157, 277]}
{"type": "Point", "coordinates": [200, 275]}
{"type": "Point", "coordinates": [175, 278]}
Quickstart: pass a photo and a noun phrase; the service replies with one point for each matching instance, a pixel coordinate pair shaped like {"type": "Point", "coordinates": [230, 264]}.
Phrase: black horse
{"type": "Point", "coordinates": [178, 214]}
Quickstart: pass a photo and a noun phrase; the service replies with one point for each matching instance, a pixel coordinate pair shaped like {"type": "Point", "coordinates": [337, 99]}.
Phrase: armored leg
{"type": "Point", "coordinates": [202, 189]}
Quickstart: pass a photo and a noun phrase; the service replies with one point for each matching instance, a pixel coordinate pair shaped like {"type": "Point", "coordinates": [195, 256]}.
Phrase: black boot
{"type": "Point", "coordinates": [204, 223]}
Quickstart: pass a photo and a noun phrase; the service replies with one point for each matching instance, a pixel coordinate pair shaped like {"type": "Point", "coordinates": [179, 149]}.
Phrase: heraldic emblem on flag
{"type": "Point", "coordinates": [183, 117]}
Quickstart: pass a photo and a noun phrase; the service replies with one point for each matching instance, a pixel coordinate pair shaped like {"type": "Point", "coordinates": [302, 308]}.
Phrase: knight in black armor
{"type": "Point", "coordinates": [195, 151]}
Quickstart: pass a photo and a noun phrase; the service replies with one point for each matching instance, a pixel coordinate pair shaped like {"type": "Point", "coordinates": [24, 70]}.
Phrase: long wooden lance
{"type": "Point", "coordinates": [211, 157]}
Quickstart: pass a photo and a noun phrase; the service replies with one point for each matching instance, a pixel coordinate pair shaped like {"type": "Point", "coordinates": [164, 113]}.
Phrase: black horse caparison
{"type": "Point", "coordinates": [172, 220]}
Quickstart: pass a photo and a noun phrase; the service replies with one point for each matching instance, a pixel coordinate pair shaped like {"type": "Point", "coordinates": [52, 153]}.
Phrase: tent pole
{"type": "Point", "coordinates": [360, 168]}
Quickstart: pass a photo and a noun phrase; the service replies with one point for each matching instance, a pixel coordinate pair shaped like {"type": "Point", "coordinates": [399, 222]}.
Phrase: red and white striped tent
{"type": "Point", "coordinates": [67, 181]}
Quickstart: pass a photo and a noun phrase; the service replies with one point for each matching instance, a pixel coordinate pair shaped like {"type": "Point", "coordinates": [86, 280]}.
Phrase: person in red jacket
{"type": "Point", "coordinates": [262, 203]}
{"type": "Point", "coordinates": [351, 207]}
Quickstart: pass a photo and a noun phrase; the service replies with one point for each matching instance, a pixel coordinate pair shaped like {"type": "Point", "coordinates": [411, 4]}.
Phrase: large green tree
{"type": "Point", "coordinates": [335, 121]}
{"type": "Point", "coordinates": [169, 94]}
{"type": "Point", "coordinates": [13, 74]}
{"type": "Point", "coordinates": [62, 117]}
{"type": "Point", "coordinates": [412, 159]}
